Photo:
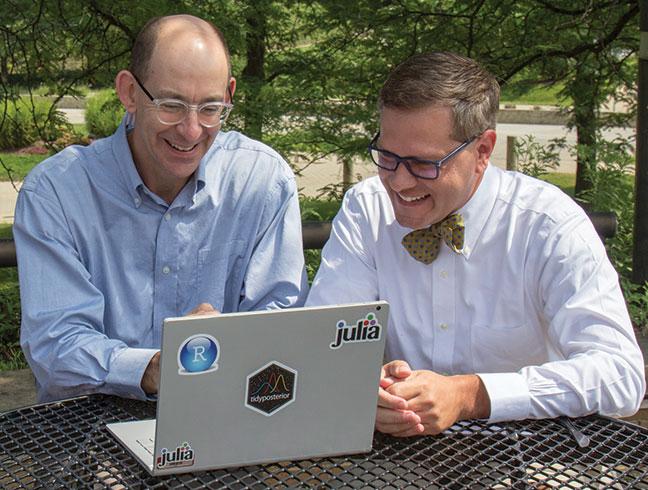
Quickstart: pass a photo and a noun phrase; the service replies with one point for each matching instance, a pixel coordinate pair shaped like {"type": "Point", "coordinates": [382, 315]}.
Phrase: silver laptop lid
{"type": "Point", "coordinates": [256, 387]}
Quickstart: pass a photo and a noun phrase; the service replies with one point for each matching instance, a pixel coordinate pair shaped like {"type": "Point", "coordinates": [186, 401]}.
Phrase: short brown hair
{"type": "Point", "coordinates": [445, 79]}
{"type": "Point", "coordinates": [144, 46]}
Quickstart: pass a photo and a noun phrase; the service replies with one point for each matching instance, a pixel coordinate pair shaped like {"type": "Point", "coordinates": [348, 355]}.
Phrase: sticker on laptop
{"type": "Point", "coordinates": [271, 388]}
{"type": "Point", "coordinates": [198, 355]}
{"type": "Point", "coordinates": [366, 329]}
{"type": "Point", "coordinates": [182, 455]}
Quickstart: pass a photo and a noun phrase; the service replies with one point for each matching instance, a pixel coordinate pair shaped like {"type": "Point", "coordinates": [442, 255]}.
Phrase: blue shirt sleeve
{"type": "Point", "coordinates": [62, 332]}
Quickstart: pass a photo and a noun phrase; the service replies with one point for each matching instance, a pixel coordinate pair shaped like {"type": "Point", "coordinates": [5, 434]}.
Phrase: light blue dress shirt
{"type": "Point", "coordinates": [103, 261]}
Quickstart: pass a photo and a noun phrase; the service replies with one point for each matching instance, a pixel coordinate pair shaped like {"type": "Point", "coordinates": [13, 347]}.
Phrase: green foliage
{"type": "Point", "coordinates": [10, 354]}
{"type": "Point", "coordinates": [5, 230]}
{"type": "Point", "coordinates": [103, 113]}
{"type": "Point", "coordinates": [530, 93]}
{"type": "Point", "coordinates": [24, 121]}
{"type": "Point", "coordinates": [318, 209]}
{"type": "Point", "coordinates": [536, 159]}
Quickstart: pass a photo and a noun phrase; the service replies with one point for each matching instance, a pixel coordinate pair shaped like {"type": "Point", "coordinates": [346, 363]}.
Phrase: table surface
{"type": "Point", "coordinates": [66, 445]}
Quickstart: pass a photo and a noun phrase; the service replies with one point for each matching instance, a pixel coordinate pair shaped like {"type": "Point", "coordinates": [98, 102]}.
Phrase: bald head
{"type": "Point", "coordinates": [172, 29]}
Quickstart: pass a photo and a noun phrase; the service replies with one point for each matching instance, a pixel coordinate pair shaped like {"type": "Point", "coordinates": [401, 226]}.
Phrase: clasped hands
{"type": "Point", "coordinates": [421, 402]}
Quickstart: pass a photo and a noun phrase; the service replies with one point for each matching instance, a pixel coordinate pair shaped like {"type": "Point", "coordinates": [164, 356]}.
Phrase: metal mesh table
{"type": "Point", "coordinates": [66, 445]}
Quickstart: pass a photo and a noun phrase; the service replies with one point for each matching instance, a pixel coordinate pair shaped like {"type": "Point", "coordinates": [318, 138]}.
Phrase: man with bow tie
{"type": "Point", "coordinates": [504, 304]}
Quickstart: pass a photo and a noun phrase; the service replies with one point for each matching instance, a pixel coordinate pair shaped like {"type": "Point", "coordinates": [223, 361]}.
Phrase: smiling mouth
{"type": "Point", "coordinates": [181, 148]}
{"type": "Point", "coordinates": [411, 199]}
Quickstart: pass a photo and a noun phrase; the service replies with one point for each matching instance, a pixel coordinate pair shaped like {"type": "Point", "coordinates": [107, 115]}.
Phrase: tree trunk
{"type": "Point", "coordinates": [254, 72]}
{"type": "Point", "coordinates": [585, 95]}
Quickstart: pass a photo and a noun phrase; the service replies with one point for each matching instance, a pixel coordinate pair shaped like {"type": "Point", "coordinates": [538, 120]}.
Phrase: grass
{"type": "Point", "coordinates": [535, 96]}
{"type": "Point", "coordinates": [5, 230]}
{"type": "Point", "coordinates": [18, 164]}
{"type": "Point", "coordinates": [566, 182]}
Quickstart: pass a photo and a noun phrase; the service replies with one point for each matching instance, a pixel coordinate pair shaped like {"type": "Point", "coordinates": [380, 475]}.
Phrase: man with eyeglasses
{"type": "Point", "coordinates": [166, 217]}
{"type": "Point", "coordinates": [503, 303]}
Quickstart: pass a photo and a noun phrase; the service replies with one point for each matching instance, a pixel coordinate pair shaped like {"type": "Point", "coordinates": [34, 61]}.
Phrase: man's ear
{"type": "Point", "coordinates": [485, 146]}
{"type": "Point", "coordinates": [125, 88]}
{"type": "Point", "coordinates": [232, 89]}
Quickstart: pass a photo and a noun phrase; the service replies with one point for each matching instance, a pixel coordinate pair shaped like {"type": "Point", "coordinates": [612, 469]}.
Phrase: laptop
{"type": "Point", "coordinates": [258, 387]}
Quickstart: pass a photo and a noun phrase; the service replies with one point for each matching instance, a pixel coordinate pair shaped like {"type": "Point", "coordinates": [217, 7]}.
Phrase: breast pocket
{"type": "Point", "coordinates": [218, 275]}
{"type": "Point", "coordinates": [506, 348]}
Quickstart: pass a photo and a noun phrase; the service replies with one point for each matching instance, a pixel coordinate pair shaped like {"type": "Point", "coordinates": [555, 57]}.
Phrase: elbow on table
{"type": "Point", "coordinates": [628, 401]}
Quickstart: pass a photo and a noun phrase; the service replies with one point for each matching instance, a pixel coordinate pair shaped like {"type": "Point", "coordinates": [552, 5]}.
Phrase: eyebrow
{"type": "Point", "coordinates": [169, 94]}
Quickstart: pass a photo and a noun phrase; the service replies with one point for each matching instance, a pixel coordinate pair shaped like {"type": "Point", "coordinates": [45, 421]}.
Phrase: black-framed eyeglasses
{"type": "Point", "coordinates": [424, 169]}
{"type": "Point", "coordinates": [174, 111]}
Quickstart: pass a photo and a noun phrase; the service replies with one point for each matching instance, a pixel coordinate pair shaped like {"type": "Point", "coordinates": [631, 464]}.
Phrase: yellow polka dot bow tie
{"type": "Point", "coordinates": [424, 244]}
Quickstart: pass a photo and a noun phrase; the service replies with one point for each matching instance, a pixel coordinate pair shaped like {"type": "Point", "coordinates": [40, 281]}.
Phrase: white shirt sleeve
{"type": "Point", "coordinates": [599, 368]}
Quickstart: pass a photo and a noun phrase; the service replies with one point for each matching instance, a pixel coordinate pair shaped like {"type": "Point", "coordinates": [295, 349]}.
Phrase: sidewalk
{"type": "Point", "coordinates": [8, 197]}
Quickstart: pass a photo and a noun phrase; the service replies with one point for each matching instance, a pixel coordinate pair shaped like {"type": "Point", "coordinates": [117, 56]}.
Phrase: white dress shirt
{"type": "Point", "coordinates": [532, 305]}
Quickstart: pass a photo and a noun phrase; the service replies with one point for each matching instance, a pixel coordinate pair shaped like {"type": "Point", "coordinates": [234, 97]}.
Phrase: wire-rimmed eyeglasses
{"type": "Point", "coordinates": [174, 111]}
{"type": "Point", "coordinates": [424, 169]}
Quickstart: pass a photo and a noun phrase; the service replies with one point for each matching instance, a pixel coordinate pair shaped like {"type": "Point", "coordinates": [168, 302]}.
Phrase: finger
{"type": "Point", "coordinates": [397, 369]}
{"type": "Point", "coordinates": [393, 402]}
{"type": "Point", "coordinates": [383, 425]}
{"type": "Point", "coordinates": [416, 430]}
{"type": "Point", "coordinates": [388, 417]}
{"type": "Point", "coordinates": [407, 390]}
{"type": "Point", "coordinates": [203, 309]}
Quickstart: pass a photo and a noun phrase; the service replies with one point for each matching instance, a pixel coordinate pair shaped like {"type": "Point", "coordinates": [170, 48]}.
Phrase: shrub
{"type": "Point", "coordinates": [11, 356]}
{"type": "Point", "coordinates": [535, 159]}
{"type": "Point", "coordinates": [104, 113]}
{"type": "Point", "coordinates": [24, 122]}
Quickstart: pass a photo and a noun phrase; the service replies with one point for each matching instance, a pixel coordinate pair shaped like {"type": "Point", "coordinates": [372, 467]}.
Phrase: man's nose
{"type": "Point", "coordinates": [190, 127]}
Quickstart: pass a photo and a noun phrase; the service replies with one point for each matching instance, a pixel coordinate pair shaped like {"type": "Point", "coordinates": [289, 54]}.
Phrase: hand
{"type": "Point", "coordinates": [440, 401]}
{"type": "Point", "coordinates": [393, 414]}
{"type": "Point", "coordinates": [151, 377]}
{"type": "Point", "coordinates": [203, 309]}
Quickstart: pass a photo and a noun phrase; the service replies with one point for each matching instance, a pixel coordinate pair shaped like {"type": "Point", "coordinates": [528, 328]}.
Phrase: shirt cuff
{"type": "Point", "coordinates": [509, 396]}
{"type": "Point", "coordinates": [126, 370]}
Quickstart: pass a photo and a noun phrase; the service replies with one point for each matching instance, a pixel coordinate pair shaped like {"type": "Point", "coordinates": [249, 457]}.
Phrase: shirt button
{"type": "Point", "coordinates": [138, 201]}
{"type": "Point", "coordinates": [167, 216]}
{"type": "Point", "coordinates": [166, 269]}
{"type": "Point", "coordinates": [443, 274]}
{"type": "Point", "coordinates": [443, 326]}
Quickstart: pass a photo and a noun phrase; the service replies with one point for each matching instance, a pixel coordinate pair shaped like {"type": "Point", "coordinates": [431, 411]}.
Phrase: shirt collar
{"type": "Point", "coordinates": [135, 185]}
{"type": "Point", "coordinates": [124, 159]}
{"type": "Point", "coordinates": [476, 211]}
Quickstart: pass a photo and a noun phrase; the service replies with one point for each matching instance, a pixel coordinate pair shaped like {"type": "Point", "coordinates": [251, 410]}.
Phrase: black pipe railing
{"type": "Point", "coordinates": [316, 233]}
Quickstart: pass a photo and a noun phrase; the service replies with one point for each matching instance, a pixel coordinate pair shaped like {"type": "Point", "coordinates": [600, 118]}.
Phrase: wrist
{"type": "Point", "coordinates": [476, 402]}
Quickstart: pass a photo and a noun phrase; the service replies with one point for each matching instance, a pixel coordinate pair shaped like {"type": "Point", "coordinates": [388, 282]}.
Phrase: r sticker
{"type": "Point", "coordinates": [198, 355]}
